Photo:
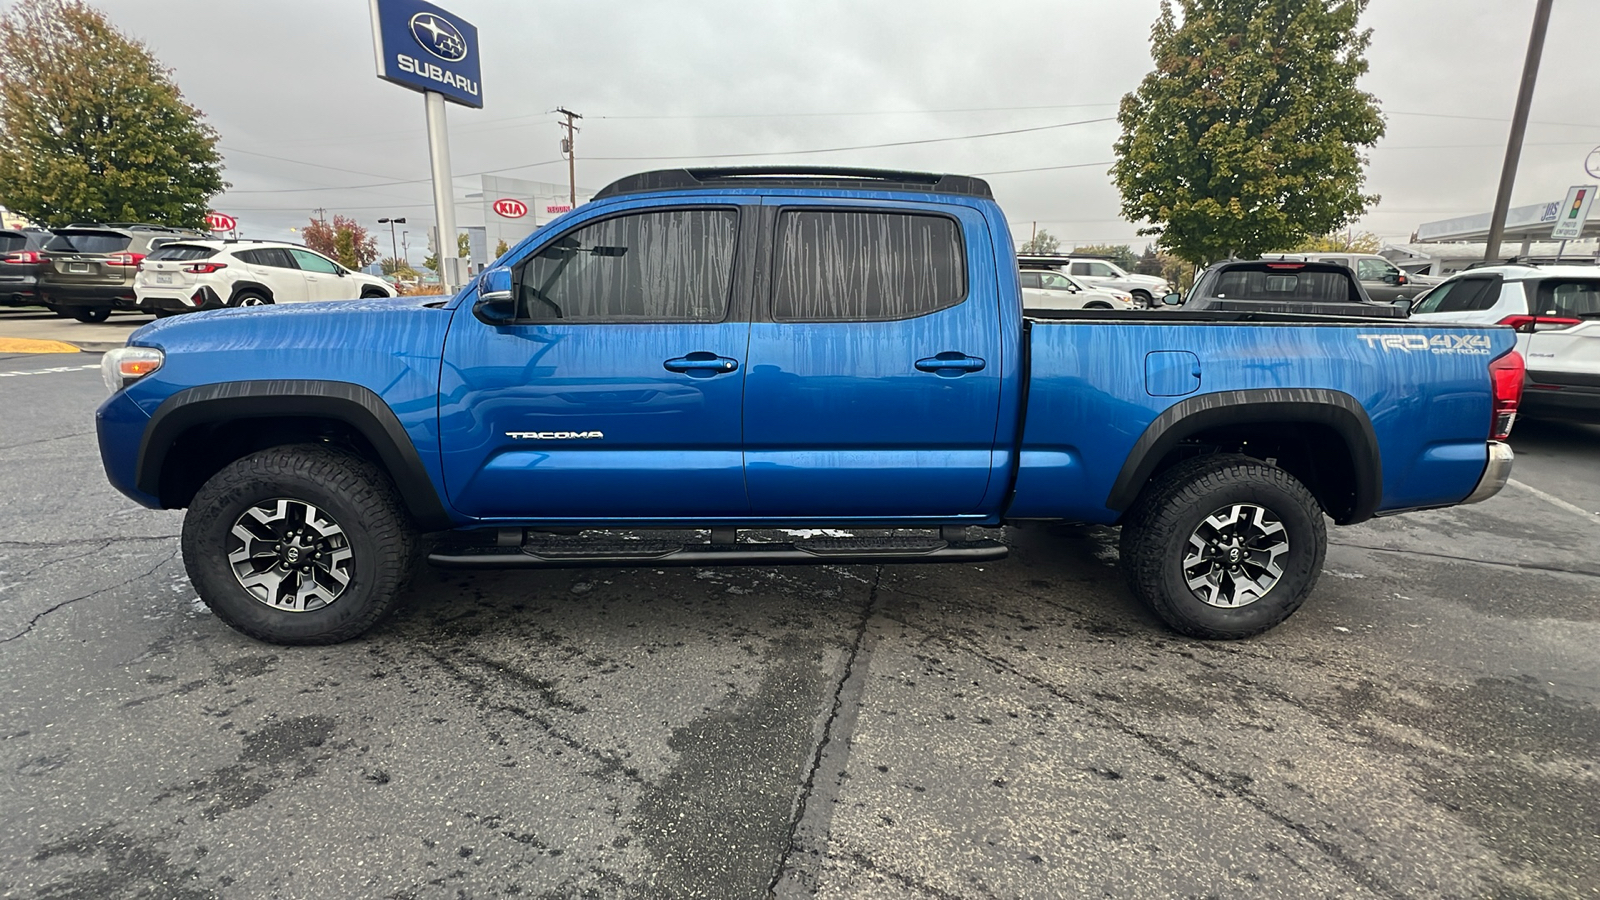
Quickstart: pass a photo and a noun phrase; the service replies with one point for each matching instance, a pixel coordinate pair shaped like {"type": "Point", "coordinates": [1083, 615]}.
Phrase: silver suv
{"type": "Point", "coordinates": [87, 271]}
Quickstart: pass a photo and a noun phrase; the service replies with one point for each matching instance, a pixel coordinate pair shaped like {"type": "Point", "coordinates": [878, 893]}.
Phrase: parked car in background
{"type": "Point", "coordinates": [1381, 279]}
{"type": "Point", "coordinates": [184, 276]}
{"type": "Point", "coordinates": [87, 270]}
{"type": "Point", "coordinates": [1049, 289]}
{"type": "Point", "coordinates": [1146, 290]}
{"type": "Point", "coordinates": [1556, 313]}
{"type": "Point", "coordinates": [20, 262]}
{"type": "Point", "coordinates": [1277, 285]}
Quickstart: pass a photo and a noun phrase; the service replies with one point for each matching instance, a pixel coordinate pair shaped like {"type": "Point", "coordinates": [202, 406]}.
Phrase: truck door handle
{"type": "Point", "coordinates": [950, 364]}
{"type": "Point", "coordinates": [701, 364]}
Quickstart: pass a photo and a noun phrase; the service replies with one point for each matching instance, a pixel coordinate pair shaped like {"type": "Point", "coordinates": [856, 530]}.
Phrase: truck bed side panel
{"type": "Point", "coordinates": [1425, 389]}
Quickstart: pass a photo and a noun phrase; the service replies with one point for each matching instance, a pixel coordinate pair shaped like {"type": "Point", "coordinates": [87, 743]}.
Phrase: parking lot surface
{"type": "Point", "coordinates": [1428, 725]}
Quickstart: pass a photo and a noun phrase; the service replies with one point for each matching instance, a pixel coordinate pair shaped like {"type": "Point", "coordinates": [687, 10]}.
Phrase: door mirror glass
{"type": "Point", "coordinates": [1173, 299]}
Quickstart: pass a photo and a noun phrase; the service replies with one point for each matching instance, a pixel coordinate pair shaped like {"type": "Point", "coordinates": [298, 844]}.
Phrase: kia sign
{"type": "Point", "coordinates": [424, 48]}
{"type": "Point", "coordinates": [509, 208]}
{"type": "Point", "coordinates": [220, 222]}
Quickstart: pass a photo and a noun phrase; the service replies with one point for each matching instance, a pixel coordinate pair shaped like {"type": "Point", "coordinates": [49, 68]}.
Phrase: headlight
{"type": "Point", "coordinates": [125, 365]}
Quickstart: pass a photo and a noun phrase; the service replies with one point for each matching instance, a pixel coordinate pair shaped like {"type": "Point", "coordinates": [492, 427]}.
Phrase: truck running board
{"type": "Point", "coordinates": [556, 554]}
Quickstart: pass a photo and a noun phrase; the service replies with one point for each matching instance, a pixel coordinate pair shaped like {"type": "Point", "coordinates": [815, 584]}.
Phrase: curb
{"type": "Point", "coordinates": [35, 345]}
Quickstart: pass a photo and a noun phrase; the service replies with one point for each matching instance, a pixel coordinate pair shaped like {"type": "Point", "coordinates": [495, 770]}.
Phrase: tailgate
{"type": "Point", "coordinates": [164, 273]}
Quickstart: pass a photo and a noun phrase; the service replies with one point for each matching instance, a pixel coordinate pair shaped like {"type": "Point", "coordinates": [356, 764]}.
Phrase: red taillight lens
{"type": "Point", "coordinates": [1505, 374]}
{"type": "Point", "coordinates": [204, 268]}
{"type": "Point", "coordinates": [125, 259]}
{"type": "Point", "coordinates": [24, 258]}
{"type": "Point", "coordinates": [1527, 324]}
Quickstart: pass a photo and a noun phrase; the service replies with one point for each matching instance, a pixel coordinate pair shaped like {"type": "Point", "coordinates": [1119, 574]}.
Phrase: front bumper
{"type": "Point", "coordinates": [1495, 474]}
{"type": "Point", "coordinates": [120, 425]}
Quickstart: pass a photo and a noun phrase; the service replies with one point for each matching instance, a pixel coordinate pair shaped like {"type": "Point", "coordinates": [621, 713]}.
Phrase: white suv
{"type": "Point", "coordinates": [184, 276]}
{"type": "Point", "coordinates": [1147, 290]}
{"type": "Point", "coordinates": [1556, 312]}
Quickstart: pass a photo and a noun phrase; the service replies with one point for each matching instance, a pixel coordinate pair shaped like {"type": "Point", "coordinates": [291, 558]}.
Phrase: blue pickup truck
{"type": "Point", "coordinates": [700, 363]}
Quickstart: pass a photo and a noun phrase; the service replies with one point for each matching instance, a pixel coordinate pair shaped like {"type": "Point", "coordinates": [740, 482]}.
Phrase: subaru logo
{"type": "Point", "coordinates": [439, 36]}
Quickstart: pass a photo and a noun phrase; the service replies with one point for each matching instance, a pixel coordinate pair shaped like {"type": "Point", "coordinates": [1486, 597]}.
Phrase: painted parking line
{"type": "Point", "coordinates": [1555, 501]}
{"type": "Point", "coordinates": [33, 345]}
{"type": "Point", "coordinates": [49, 371]}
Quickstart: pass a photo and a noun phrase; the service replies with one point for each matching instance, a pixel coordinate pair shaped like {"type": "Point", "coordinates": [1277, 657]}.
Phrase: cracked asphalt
{"type": "Point", "coordinates": [1428, 725]}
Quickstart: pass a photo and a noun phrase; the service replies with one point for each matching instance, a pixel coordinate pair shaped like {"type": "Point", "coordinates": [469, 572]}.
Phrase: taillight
{"type": "Point", "coordinates": [1505, 374]}
{"type": "Point", "coordinates": [204, 268]}
{"type": "Point", "coordinates": [124, 259]}
{"type": "Point", "coordinates": [1527, 324]}
{"type": "Point", "coordinates": [24, 258]}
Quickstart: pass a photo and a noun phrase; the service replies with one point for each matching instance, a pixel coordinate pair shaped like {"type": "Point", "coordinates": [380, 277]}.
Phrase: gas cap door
{"type": "Point", "coordinates": [1171, 373]}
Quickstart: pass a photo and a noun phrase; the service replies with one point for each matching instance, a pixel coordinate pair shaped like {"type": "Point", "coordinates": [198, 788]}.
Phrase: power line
{"type": "Point", "coordinates": [1045, 168]}
{"type": "Point", "coordinates": [889, 112]}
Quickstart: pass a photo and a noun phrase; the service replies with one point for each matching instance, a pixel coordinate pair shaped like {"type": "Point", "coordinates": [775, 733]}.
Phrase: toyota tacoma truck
{"type": "Point", "coordinates": [713, 366]}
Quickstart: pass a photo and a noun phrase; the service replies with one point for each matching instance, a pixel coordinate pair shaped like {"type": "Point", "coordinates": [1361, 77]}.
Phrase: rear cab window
{"type": "Point", "coordinates": [1280, 283]}
{"type": "Point", "coordinates": [866, 265]}
{"type": "Point", "coordinates": [1568, 298]}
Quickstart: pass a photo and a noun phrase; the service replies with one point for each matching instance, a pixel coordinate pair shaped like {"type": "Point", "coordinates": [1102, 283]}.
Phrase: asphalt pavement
{"type": "Point", "coordinates": [1428, 725]}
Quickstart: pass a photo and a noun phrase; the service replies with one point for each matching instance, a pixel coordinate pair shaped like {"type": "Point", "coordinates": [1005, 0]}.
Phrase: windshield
{"type": "Point", "coordinates": [88, 242]}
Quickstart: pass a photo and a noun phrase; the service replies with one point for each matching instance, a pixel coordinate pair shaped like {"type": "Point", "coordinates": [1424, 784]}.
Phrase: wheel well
{"type": "Point", "coordinates": [1316, 454]}
{"type": "Point", "coordinates": [240, 287]}
{"type": "Point", "coordinates": [203, 450]}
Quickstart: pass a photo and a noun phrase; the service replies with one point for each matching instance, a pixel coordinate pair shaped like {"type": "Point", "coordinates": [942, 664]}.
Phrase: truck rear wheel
{"type": "Point", "coordinates": [303, 544]}
{"type": "Point", "coordinates": [1224, 546]}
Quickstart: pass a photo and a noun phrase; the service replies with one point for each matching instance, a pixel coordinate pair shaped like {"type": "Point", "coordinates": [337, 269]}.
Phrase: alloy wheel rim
{"type": "Point", "coordinates": [1235, 556]}
{"type": "Point", "coordinates": [290, 555]}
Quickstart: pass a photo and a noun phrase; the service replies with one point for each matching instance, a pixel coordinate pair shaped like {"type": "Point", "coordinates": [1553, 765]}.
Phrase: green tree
{"type": "Point", "coordinates": [92, 128]}
{"type": "Point", "coordinates": [1121, 254]}
{"type": "Point", "coordinates": [1247, 136]}
{"type": "Point", "coordinates": [500, 249]}
{"type": "Point", "coordinates": [1042, 243]}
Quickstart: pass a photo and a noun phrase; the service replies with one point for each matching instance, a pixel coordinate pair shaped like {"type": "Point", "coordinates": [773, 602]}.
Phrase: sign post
{"type": "Point", "coordinates": [424, 48]}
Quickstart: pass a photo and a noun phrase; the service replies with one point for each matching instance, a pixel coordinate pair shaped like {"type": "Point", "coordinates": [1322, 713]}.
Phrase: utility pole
{"type": "Point", "coordinates": [1519, 125]}
{"type": "Point", "coordinates": [570, 148]}
{"type": "Point", "coordinates": [322, 213]}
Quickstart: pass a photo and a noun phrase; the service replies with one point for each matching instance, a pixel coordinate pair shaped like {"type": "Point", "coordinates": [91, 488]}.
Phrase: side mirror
{"type": "Point", "coordinates": [341, 271]}
{"type": "Point", "coordinates": [495, 304]}
{"type": "Point", "coordinates": [1173, 299]}
{"type": "Point", "coordinates": [1402, 304]}
{"type": "Point", "coordinates": [1401, 279]}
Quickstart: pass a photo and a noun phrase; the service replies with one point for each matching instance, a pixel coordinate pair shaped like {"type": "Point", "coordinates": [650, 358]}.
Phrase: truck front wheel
{"type": "Point", "coordinates": [1224, 546]}
{"type": "Point", "coordinates": [302, 544]}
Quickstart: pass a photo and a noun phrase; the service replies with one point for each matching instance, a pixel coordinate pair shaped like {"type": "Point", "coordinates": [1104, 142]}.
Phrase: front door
{"type": "Point", "coordinates": [324, 279]}
{"type": "Point", "coordinates": [617, 394]}
{"type": "Point", "coordinates": [875, 368]}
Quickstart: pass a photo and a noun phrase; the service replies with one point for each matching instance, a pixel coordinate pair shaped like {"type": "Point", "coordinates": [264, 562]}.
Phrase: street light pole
{"type": "Point", "coordinates": [1519, 126]}
{"type": "Point", "coordinates": [394, 251]}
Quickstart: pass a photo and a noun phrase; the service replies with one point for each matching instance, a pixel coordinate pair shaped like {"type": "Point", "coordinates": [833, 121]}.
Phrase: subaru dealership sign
{"type": "Point", "coordinates": [422, 47]}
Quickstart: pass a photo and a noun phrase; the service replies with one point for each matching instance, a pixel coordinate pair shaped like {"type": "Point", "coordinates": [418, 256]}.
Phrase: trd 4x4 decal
{"type": "Point", "coordinates": [1466, 344]}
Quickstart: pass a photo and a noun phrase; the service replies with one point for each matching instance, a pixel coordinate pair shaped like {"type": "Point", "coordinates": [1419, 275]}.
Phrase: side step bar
{"type": "Point", "coordinates": [807, 552]}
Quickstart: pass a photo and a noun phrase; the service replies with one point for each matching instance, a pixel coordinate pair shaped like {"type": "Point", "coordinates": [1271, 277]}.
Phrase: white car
{"type": "Point", "coordinates": [1556, 312]}
{"type": "Point", "coordinates": [184, 276]}
{"type": "Point", "coordinates": [1046, 289]}
{"type": "Point", "coordinates": [1147, 290]}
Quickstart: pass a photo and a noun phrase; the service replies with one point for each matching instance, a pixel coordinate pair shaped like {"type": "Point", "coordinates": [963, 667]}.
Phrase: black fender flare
{"type": "Point", "coordinates": [1320, 406]}
{"type": "Point", "coordinates": [348, 403]}
{"type": "Point", "coordinates": [258, 287]}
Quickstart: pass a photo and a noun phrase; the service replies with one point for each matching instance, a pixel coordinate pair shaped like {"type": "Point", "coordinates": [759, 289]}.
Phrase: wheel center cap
{"type": "Point", "coordinates": [291, 555]}
{"type": "Point", "coordinates": [1233, 554]}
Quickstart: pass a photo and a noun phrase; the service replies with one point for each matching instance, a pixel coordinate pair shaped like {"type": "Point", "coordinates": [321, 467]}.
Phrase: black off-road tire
{"type": "Point", "coordinates": [250, 298]}
{"type": "Point", "coordinates": [1156, 539]}
{"type": "Point", "coordinates": [374, 294]}
{"type": "Point", "coordinates": [358, 496]}
{"type": "Point", "coordinates": [92, 315]}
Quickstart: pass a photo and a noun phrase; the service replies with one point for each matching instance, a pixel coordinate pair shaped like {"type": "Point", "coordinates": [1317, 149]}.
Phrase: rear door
{"type": "Point", "coordinates": [324, 278]}
{"type": "Point", "coordinates": [874, 377]}
{"type": "Point", "coordinates": [274, 268]}
{"type": "Point", "coordinates": [1469, 299]}
{"type": "Point", "coordinates": [1564, 348]}
{"type": "Point", "coordinates": [617, 393]}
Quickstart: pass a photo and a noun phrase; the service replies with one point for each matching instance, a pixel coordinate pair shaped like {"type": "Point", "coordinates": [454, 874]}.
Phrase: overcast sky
{"type": "Point", "coordinates": [290, 85]}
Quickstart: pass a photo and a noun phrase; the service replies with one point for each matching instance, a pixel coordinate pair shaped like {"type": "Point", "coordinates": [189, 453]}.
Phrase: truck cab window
{"type": "Point", "coordinates": [847, 266]}
{"type": "Point", "coordinates": [662, 266]}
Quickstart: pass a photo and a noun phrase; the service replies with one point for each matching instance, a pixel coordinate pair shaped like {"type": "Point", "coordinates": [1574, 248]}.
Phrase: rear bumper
{"type": "Point", "coordinates": [152, 302]}
{"type": "Point", "coordinates": [1495, 474]}
{"type": "Point", "coordinates": [114, 296]}
{"type": "Point", "coordinates": [19, 289]}
{"type": "Point", "coordinates": [1543, 400]}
